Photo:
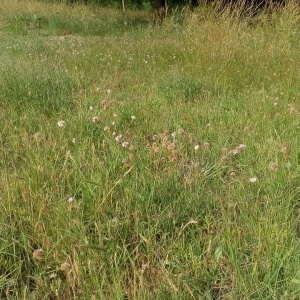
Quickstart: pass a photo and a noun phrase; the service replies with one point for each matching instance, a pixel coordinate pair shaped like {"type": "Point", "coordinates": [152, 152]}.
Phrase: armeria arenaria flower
{"type": "Point", "coordinates": [241, 147]}
{"type": "Point", "coordinates": [273, 166]}
{"type": "Point", "coordinates": [133, 118]}
{"type": "Point", "coordinates": [71, 199]}
{"type": "Point", "coordinates": [65, 267]}
{"type": "Point", "coordinates": [37, 136]}
{"type": "Point", "coordinates": [95, 119]}
{"type": "Point", "coordinates": [224, 151]}
{"type": "Point", "coordinates": [61, 123]}
{"type": "Point", "coordinates": [197, 147]}
{"type": "Point", "coordinates": [38, 254]}
{"type": "Point", "coordinates": [292, 109]}
{"type": "Point", "coordinates": [118, 138]}
{"type": "Point", "coordinates": [253, 179]}
{"type": "Point", "coordinates": [125, 144]}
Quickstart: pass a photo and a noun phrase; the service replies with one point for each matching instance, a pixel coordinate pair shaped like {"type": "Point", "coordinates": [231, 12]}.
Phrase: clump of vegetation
{"type": "Point", "coordinates": [148, 160]}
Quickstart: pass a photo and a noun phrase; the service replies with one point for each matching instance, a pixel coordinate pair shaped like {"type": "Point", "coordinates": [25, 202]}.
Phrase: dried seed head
{"type": "Point", "coordinates": [234, 152]}
{"type": "Point", "coordinates": [284, 148]}
{"type": "Point", "coordinates": [65, 267]}
{"type": "Point", "coordinates": [241, 147]}
{"type": "Point", "coordinates": [192, 138]}
{"type": "Point", "coordinates": [171, 146]}
{"type": "Point", "coordinates": [273, 167]}
{"type": "Point", "coordinates": [37, 136]}
{"type": "Point", "coordinates": [223, 159]}
{"type": "Point", "coordinates": [181, 131]}
{"type": "Point", "coordinates": [224, 151]}
{"type": "Point", "coordinates": [38, 254]}
{"type": "Point", "coordinates": [292, 109]}
{"type": "Point", "coordinates": [232, 174]}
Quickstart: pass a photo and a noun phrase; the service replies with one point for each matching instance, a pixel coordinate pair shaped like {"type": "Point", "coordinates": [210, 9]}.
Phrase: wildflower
{"type": "Point", "coordinates": [181, 131]}
{"type": "Point", "coordinates": [292, 109]}
{"type": "Point", "coordinates": [113, 123]}
{"type": "Point", "coordinates": [173, 134]}
{"type": "Point", "coordinates": [253, 179]}
{"type": "Point", "coordinates": [73, 140]}
{"type": "Point", "coordinates": [95, 119]}
{"type": "Point", "coordinates": [133, 118]}
{"type": "Point", "coordinates": [155, 148]}
{"type": "Point", "coordinates": [232, 174]}
{"type": "Point", "coordinates": [61, 123]}
{"type": "Point", "coordinates": [171, 146]}
{"type": "Point", "coordinates": [108, 91]}
{"type": "Point", "coordinates": [284, 148]}
{"type": "Point", "coordinates": [224, 151]}
{"type": "Point", "coordinates": [115, 115]}
{"type": "Point", "coordinates": [125, 144]}
{"type": "Point", "coordinates": [71, 199]}
{"type": "Point", "coordinates": [273, 167]}
{"type": "Point", "coordinates": [223, 159]}
{"type": "Point", "coordinates": [38, 254]}
{"type": "Point", "coordinates": [234, 152]}
{"type": "Point", "coordinates": [105, 128]}
{"type": "Point", "coordinates": [65, 267]}
{"type": "Point", "coordinates": [37, 136]}
{"type": "Point", "coordinates": [241, 147]}
{"type": "Point", "coordinates": [125, 161]}
{"type": "Point", "coordinates": [192, 138]}
{"type": "Point", "coordinates": [91, 108]}
{"type": "Point", "coordinates": [118, 138]}
{"type": "Point", "coordinates": [197, 147]}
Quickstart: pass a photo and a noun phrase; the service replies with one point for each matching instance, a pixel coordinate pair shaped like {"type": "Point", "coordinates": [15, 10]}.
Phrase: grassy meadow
{"type": "Point", "coordinates": [148, 160]}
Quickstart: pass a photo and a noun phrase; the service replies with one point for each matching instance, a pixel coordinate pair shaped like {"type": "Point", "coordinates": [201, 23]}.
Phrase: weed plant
{"type": "Point", "coordinates": [148, 160]}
